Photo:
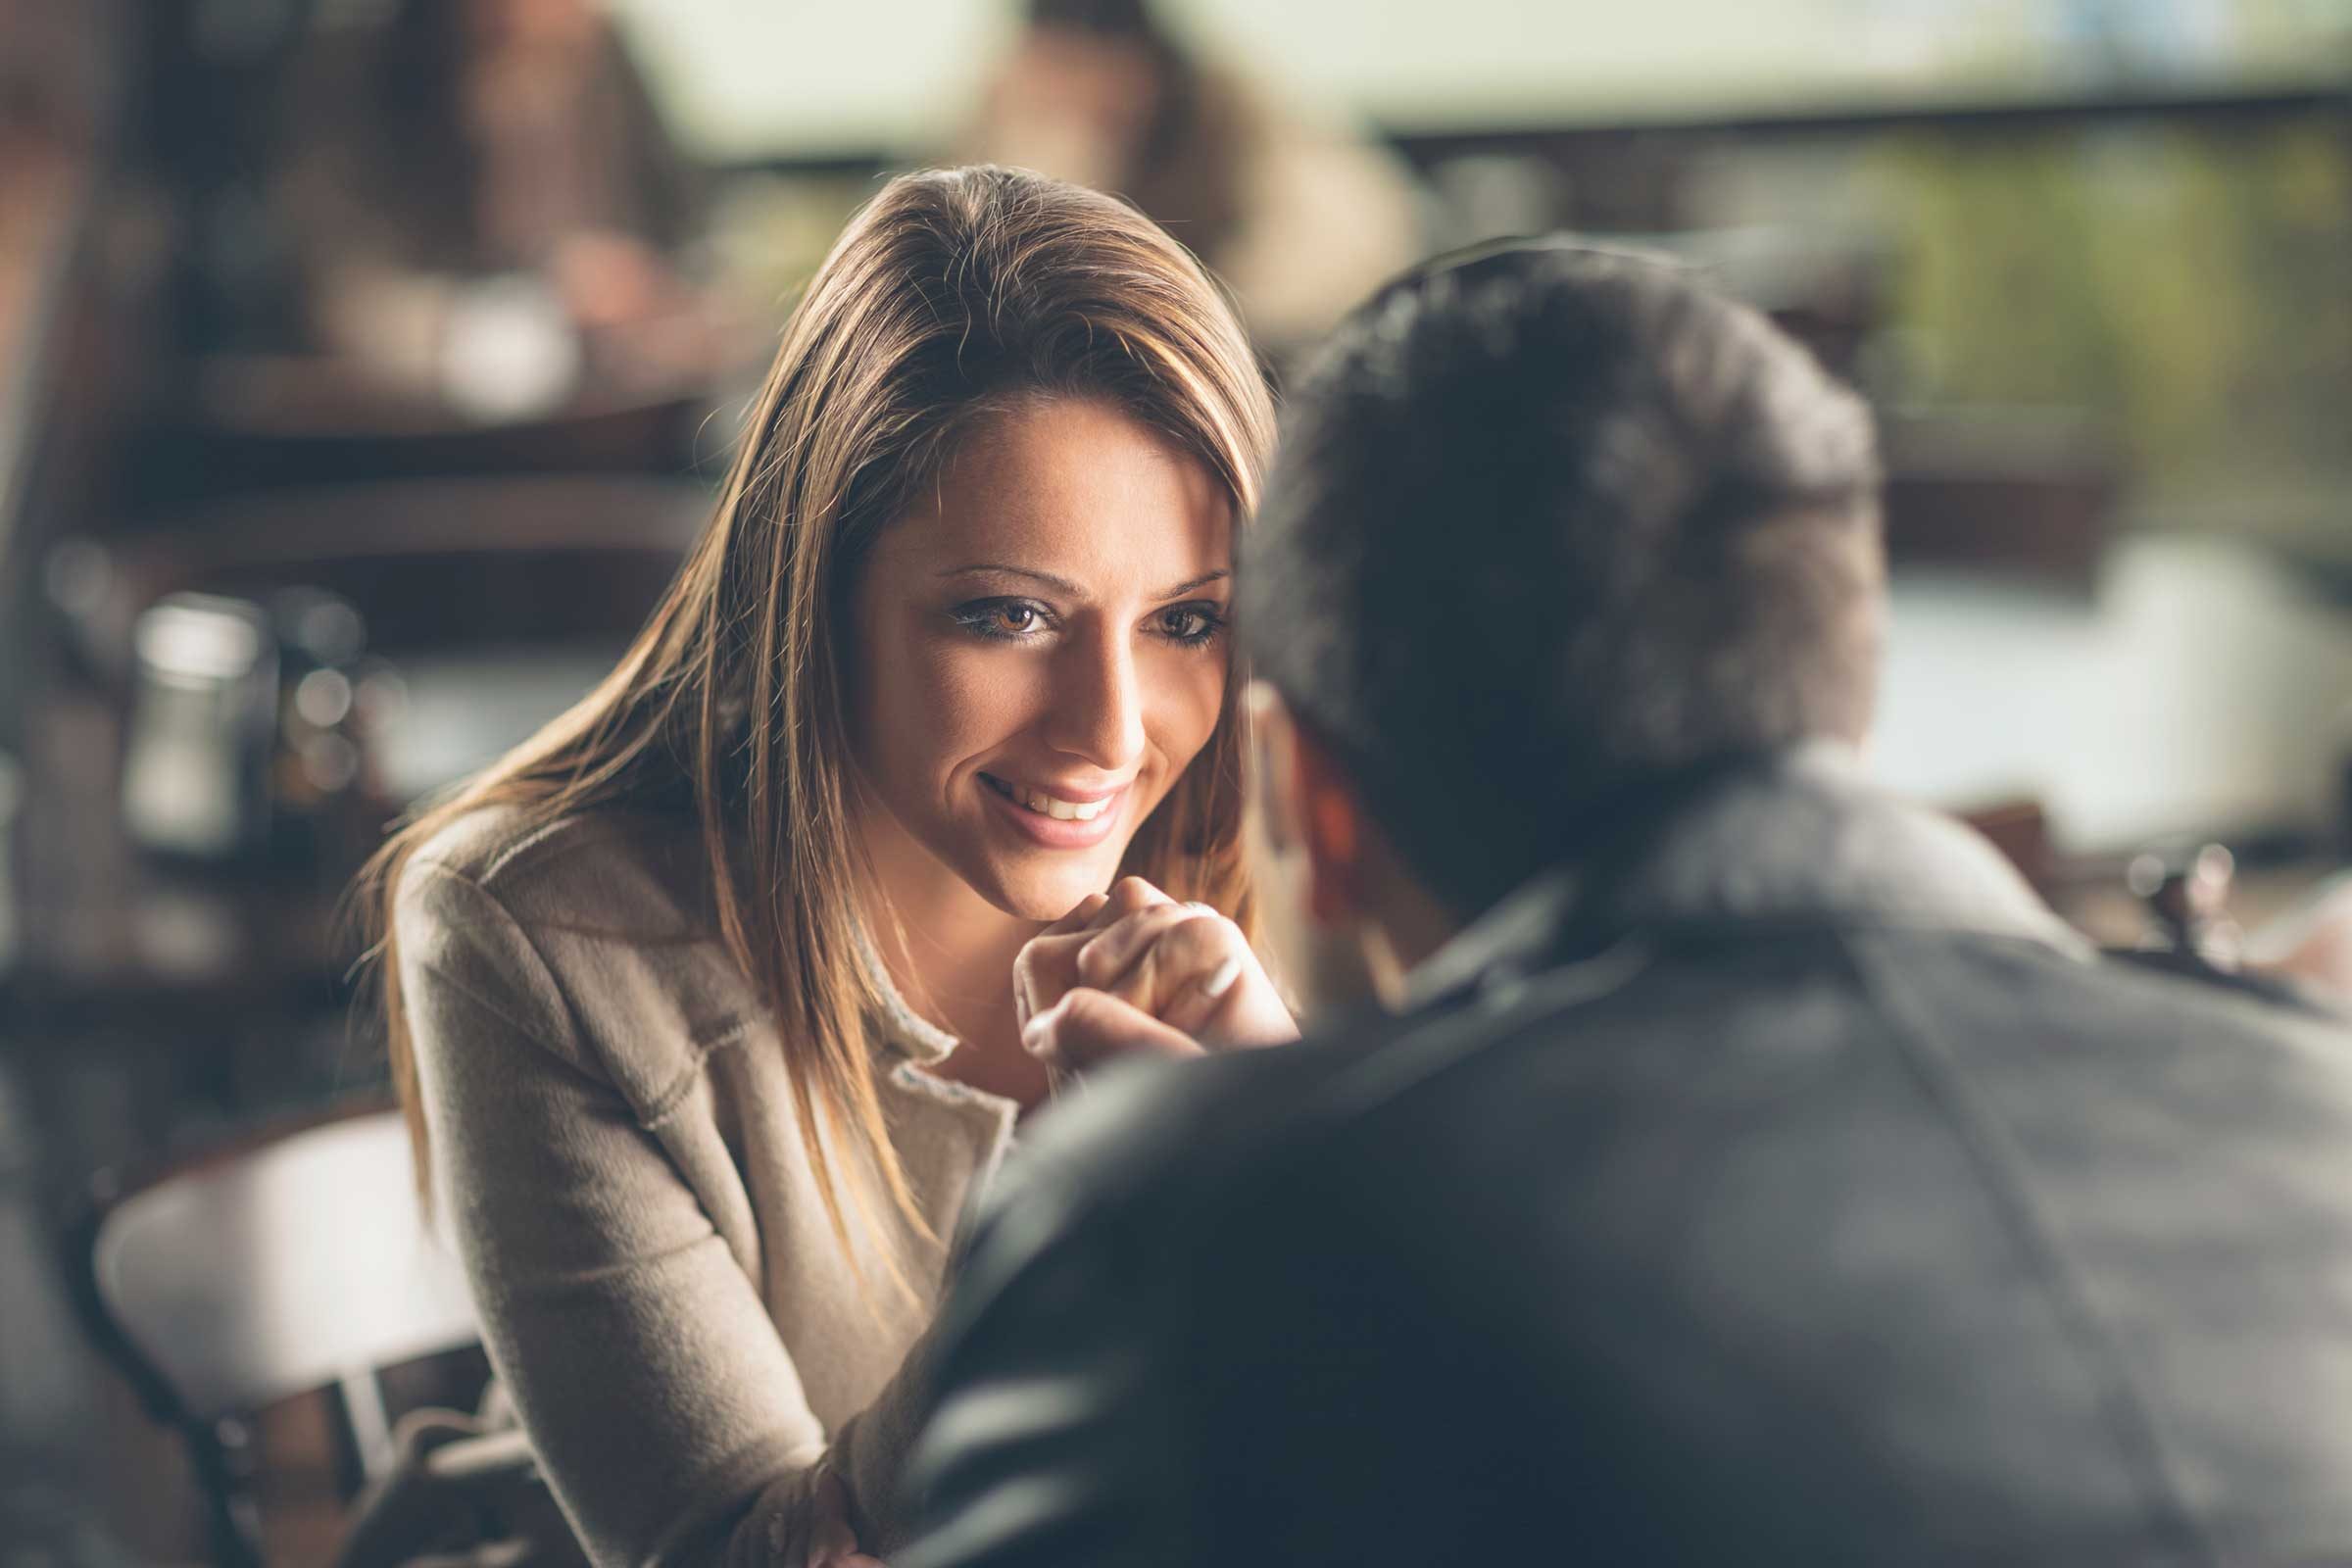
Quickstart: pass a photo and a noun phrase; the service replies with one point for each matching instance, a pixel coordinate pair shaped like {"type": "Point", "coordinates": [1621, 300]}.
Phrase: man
{"type": "Point", "coordinates": [1751, 1169]}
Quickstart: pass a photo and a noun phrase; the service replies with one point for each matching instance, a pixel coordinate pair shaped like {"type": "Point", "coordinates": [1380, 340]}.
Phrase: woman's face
{"type": "Point", "coordinates": [1041, 650]}
{"type": "Point", "coordinates": [528, 25]}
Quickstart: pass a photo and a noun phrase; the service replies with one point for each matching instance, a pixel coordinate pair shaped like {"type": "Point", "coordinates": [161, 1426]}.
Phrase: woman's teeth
{"type": "Point", "coordinates": [1045, 804]}
{"type": "Point", "coordinates": [1061, 810]}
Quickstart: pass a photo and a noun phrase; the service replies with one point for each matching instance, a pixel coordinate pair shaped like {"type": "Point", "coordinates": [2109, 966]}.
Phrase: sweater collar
{"type": "Point", "coordinates": [902, 1029]}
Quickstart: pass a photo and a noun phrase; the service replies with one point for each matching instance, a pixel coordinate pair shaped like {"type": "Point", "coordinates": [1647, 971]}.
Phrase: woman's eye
{"type": "Point", "coordinates": [1006, 619]}
{"type": "Point", "coordinates": [1190, 624]}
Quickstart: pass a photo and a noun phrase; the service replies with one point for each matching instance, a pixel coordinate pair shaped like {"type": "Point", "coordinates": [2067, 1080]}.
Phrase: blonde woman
{"type": "Point", "coordinates": [701, 1002]}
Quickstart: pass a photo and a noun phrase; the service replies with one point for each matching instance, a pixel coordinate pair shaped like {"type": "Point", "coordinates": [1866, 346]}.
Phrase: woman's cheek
{"type": "Point", "coordinates": [1192, 695]}
{"type": "Point", "coordinates": [976, 697]}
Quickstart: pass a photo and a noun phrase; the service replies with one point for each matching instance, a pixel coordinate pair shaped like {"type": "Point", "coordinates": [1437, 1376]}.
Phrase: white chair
{"type": "Point", "coordinates": [291, 1264]}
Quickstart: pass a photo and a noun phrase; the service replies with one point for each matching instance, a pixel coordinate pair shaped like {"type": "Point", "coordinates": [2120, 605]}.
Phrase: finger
{"type": "Point", "coordinates": [1196, 1004]}
{"type": "Point", "coordinates": [1087, 1028]}
{"type": "Point", "coordinates": [1129, 895]}
{"type": "Point", "coordinates": [1046, 966]}
{"type": "Point", "coordinates": [1108, 953]}
{"type": "Point", "coordinates": [1188, 954]}
{"type": "Point", "coordinates": [1081, 916]}
{"type": "Point", "coordinates": [1051, 967]}
{"type": "Point", "coordinates": [1043, 968]}
{"type": "Point", "coordinates": [1025, 983]}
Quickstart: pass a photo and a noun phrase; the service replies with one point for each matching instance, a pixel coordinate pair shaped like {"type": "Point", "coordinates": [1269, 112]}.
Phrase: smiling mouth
{"type": "Point", "coordinates": [1043, 804]}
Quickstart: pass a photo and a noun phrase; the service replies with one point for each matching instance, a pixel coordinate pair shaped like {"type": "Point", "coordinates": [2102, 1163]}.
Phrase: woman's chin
{"type": "Point", "coordinates": [1048, 892]}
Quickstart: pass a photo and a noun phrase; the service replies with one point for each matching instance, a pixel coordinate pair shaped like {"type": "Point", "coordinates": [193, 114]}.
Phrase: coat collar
{"type": "Point", "coordinates": [1794, 838]}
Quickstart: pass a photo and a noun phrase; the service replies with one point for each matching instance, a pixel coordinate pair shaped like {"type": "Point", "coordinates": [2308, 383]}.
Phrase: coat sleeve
{"type": "Point", "coordinates": [663, 1403]}
{"type": "Point", "coordinates": [1057, 1434]}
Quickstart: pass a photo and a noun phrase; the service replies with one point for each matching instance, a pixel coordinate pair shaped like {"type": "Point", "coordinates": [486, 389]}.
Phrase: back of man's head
{"type": "Point", "coordinates": [1549, 529]}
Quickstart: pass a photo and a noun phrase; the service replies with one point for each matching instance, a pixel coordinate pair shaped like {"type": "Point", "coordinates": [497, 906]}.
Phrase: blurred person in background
{"type": "Point", "coordinates": [1755, 1170]}
{"type": "Point", "coordinates": [54, 1462]}
{"type": "Point", "coordinates": [703, 1003]}
{"type": "Point", "coordinates": [48, 87]}
{"type": "Point", "coordinates": [1298, 218]}
{"type": "Point", "coordinates": [484, 205]}
{"type": "Point", "coordinates": [49, 97]}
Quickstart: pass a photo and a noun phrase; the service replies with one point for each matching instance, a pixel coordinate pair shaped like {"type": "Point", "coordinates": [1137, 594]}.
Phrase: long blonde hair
{"type": "Point", "coordinates": [951, 296]}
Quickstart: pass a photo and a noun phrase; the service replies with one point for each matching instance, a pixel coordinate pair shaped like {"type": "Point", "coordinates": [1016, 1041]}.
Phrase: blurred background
{"type": "Point", "coordinates": [367, 366]}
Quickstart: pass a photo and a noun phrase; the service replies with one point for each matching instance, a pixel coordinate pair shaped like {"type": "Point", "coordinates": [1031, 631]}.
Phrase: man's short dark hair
{"type": "Point", "coordinates": [1550, 528]}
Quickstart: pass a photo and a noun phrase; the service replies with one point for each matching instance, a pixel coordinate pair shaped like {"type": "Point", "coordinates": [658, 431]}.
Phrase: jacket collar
{"type": "Point", "coordinates": [1794, 838]}
{"type": "Point", "coordinates": [898, 1027]}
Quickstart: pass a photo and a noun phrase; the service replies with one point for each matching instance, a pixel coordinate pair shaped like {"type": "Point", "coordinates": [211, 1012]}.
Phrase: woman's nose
{"type": "Point", "coordinates": [1097, 711]}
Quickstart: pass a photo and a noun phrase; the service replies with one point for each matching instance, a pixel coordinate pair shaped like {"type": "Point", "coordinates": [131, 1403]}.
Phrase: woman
{"type": "Point", "coordinates": [702, 1002]}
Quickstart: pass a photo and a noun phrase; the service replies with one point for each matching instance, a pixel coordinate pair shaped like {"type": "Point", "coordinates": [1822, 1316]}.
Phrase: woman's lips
{"type": "Point", "coordinates": [1067, 820]}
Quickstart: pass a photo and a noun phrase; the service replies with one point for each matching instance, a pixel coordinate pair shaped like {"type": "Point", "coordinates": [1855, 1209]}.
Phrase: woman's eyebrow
{"type": "Point", "coordinates": [996, 568]}
{"type": "Point", "coordinates": [1202, 582]}
{"type": "Point", "coordinates": [1064, 585]}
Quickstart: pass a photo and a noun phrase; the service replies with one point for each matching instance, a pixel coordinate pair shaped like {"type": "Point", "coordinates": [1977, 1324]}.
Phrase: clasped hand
{"type": "Point", "coordinates": [1132, 972]}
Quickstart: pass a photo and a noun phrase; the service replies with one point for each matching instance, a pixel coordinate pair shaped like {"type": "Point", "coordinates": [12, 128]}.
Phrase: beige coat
{"type": "Point", "coordinates": [615, 1155]}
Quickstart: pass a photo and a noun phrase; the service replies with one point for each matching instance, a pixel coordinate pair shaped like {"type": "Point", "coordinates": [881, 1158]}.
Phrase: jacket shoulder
{"type": "Point", "coordinates": [605, 915]}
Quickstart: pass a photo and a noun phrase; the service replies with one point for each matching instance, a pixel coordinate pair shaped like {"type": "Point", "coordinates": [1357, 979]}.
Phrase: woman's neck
{"type": "Point", "coordinates": [950, 953]}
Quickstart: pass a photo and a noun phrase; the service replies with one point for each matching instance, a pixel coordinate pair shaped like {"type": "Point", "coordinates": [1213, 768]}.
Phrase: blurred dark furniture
{"type": "Point", "coordinates": [78, 279]}
{"type": "Point", "coordinates": [427, 562]}
{"type": "Point", "coordinates": [470, 578]}
{"type": "Point", "coordinates": [2021, 493]}
{"type": "Point", "coordinates": [291, 1261]}
{"type": "Point", "coordinates": [1632, 173]}
{"type": "Point", "coordinates": [255, 422]}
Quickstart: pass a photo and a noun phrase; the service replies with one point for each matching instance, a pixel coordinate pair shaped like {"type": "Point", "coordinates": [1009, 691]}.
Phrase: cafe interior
{"type": "Point", "coordinates": [366, 368]}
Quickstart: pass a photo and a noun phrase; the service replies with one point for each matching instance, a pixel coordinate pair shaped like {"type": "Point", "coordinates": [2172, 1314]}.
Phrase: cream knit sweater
{"type": "Point", "coordinates": [615, 1155]}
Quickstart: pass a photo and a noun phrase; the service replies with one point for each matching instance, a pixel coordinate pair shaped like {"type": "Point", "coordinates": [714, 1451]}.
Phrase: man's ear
{"type": "Point", "coordinates": [1307, 801]}
{"type": "Point", "coordinates": [1333, 826]}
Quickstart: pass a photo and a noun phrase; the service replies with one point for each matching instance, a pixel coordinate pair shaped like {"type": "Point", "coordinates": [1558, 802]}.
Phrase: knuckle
{"type": "Point", "coordinates": [1084, 1012]}
{"type": "Point", "coordinates": [1081, 915]}
{"type": "Point", "coordinates": [1201, 937]}
{"type": "Point", "coordinates": [1136, 986]}
{"type": "Point", "coordinates": [1106, 954]}
{"type": "Point", "coordinates": [1042, 967]}
{"type": "Point", "coordinates": [1094, 961]}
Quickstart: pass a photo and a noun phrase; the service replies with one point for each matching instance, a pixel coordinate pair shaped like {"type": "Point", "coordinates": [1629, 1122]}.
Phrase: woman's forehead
{"type": "Point", "coordinates": [1075, 488]}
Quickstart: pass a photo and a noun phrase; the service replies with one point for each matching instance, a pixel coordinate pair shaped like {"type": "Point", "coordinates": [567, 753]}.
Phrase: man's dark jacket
{"type": "Point", "coordinates": [1794, 1189]}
